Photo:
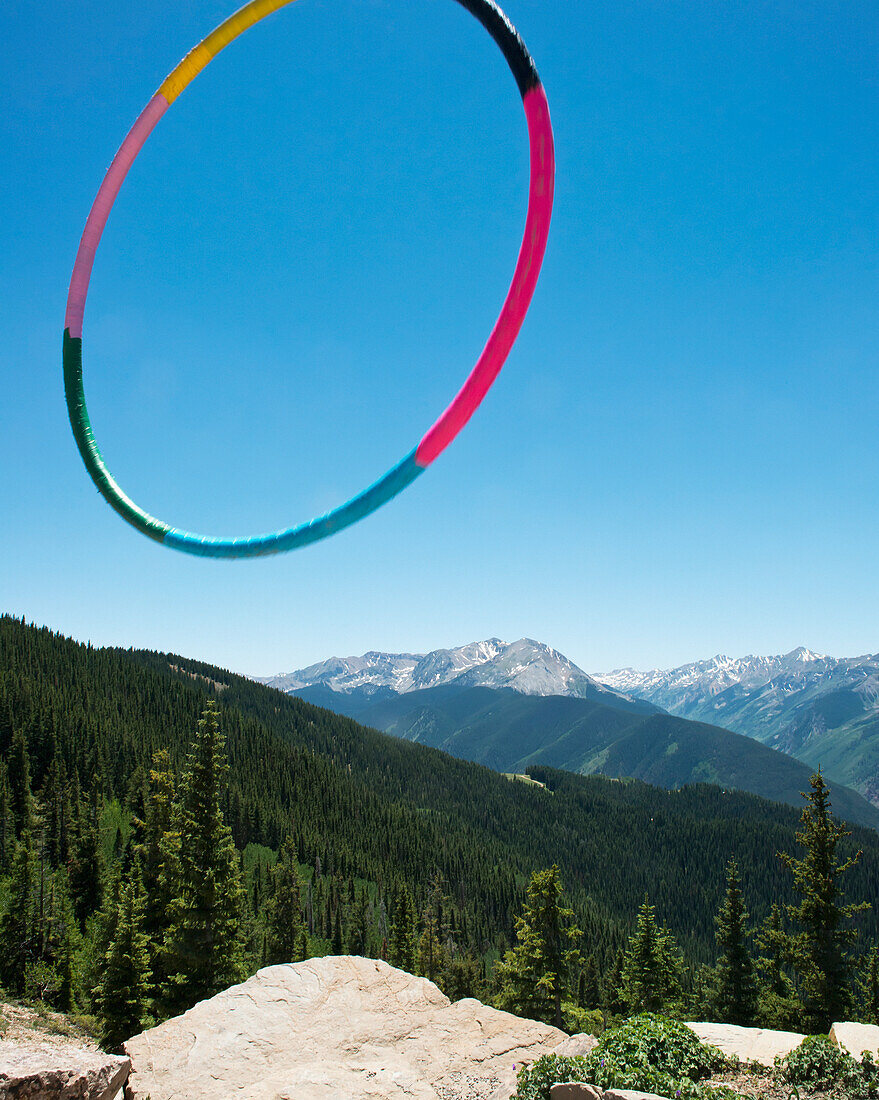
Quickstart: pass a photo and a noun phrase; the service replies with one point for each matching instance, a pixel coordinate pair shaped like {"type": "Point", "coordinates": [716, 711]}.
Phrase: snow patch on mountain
{"type": "Point", "coordinates": [782, 700]}
{"type": "Point", "coordinates": [526, 666]}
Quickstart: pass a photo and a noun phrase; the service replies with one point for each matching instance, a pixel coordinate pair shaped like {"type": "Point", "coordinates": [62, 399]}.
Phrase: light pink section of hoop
{"type": "Point", "coordinates": [97, 219]}
{"type": "Point", "coordinates": [521, 290]}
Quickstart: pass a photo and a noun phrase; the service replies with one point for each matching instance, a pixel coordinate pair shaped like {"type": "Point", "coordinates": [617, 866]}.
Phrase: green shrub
{"type": "Point", "coordinates": [535, 1081]}
{"type": "Point", "coordinates": [648, 1052]}
{"type": "Point", "coordinates": [820, 1064]}
{"type": "Point", "coordinates": [655, 1054]}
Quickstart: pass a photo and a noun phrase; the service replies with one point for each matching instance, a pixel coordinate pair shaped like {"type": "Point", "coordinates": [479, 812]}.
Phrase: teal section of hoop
{"type": "Point", "coordinates": [393, 482]}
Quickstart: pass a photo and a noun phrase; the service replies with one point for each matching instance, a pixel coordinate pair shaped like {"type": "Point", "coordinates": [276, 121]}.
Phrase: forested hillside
{"type": "Point", "coordinates": [510, 731]}
{"type": "Point", "coordinates": [373, 819]}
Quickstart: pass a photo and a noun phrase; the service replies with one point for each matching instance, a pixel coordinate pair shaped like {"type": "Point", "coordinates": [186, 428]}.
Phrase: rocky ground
{"type": "Point", "coordinates": [767, 1087]}
{"type": "Point", "coordinates": [38, 1026]}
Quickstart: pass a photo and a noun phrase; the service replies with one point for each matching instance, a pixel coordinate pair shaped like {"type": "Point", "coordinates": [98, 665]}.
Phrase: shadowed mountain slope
{"type": "Point", "coordinates": [509, 731]}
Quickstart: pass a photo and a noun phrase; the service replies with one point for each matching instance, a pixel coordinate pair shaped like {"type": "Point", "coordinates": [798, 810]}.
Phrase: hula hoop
{"type": "Point", "coordinates": [468, 398]}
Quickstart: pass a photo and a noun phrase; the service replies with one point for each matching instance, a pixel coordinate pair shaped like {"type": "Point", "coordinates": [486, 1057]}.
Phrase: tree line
{"type": "Point", "coordinates": [795, 971]}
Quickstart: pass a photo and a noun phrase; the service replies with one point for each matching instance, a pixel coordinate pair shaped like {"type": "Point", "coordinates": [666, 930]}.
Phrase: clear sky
{"type": "Point", "coordinates": [681, 456]}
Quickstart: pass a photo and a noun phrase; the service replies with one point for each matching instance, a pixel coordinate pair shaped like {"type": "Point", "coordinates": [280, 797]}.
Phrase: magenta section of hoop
{"type": "Point", "coordinates": [521, 290]}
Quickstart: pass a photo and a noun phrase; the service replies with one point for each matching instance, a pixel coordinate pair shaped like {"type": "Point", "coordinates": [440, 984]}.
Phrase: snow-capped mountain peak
{"type": "Point", "coordinates": [526, 666]}
{"type": "Point", "coordinates": [792, 701]}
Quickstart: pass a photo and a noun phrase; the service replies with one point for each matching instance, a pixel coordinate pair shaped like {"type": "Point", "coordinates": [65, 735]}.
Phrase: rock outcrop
{"type": "Point", "coordinates": [856, 1038]}
{"type": "Point", "coordinates": [50, 1070]}
{"type": "Point", "coordinates": [334, 1028]}
{"type": "Point", "coordinates": [576, 1046]}
{"type": "Point", "coordinates": [750, 1044]}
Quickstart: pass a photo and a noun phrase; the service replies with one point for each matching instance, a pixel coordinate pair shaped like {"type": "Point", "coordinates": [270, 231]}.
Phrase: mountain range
{"type": "Point", "coordinates": [823, 710]}
{"type": "Point", "coordinates": [517, 705]}
{"type": "Point", "coordinates": [526, 666]}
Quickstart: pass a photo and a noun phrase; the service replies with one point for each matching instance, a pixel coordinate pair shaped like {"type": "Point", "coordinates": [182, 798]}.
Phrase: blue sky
{"type": "Point", "coordinates": [680, 457]}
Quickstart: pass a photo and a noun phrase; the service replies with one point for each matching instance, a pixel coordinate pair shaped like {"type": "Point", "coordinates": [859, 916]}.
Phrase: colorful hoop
{"type": "Point", "coordinates": [468, 398]}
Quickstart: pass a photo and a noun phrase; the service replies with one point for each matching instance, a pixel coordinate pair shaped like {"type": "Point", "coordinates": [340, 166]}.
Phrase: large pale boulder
{"type": "Point", "coordinates": [338, 1028]}
{"type": "Point", "coordinates": [46, 1071]}
{"type": "Point", "coordinates": [576, 1046]}
{"type": "Point", "coordinates": [856, 1038]}
{"type": "Point", "coordinates": [750, 1044]}
{"type": "Point", "coordinates": [575, 1090]}
{"type": "Point", "coordinates": [631, 1094]}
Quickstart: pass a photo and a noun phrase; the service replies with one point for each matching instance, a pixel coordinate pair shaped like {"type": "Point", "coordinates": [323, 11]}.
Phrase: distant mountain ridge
{"type": "Point", "coordinates": [516, 705]}
{"type": "Point", "coordinates": [526, 666]}
{"type": "Point", "coordinates": [823, 710]}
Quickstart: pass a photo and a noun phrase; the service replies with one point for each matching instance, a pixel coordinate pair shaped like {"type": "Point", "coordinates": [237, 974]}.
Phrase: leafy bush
{"type": "Point", "coordinates": [655, 1054]}
{"type": "Point", "coordinates": [648, 1052]}
{"type": "Point", "coordinates": [535, 1081]}
{"type": "Point", "coordinates": [820, 1064]}
{"type": "Point", "coordinates": [581, 1020]}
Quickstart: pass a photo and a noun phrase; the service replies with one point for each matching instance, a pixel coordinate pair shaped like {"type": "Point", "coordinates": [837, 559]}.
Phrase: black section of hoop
{"type": "Point", "coordinates": [509, 41]}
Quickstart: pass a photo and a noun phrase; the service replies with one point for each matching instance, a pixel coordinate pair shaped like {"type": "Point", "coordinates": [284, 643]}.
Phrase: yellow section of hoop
{"type": "Point", "coordinates": [206, 50]}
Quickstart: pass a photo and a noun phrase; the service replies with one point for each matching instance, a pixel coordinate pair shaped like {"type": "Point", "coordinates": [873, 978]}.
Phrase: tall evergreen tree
{"type": "Point", "coordinates": [403, 944]}
{"type": "Point", "coordinates": [736, 989]}
{"type": "Point", "coordinates": [19, 771]}
{"type": "Point", "coordinates": [286, 938]}
{"type": "Point", "coordinates": [589, 987]}
{"type": "Point", "coordinates": [52, 797]}
{"type": "Point", "coordinates": [652, 967]}
{"type": "Point", "coordinates": [614, 985]}
{"type": "Point", "coordinates": [158, 853]}
{"type": "Point", "coordinates": [538, 974]}
{"type": "Point", "coordinates": [87, 860]}
{"type": "Point", "coordinates": [429, 947]}
{"type": "Point", "coordinates": [869, 987]}
{"type": "Point", "coordinates": [203, 939]}
{"type": "Point", "coordinates": [820, 951]}
{"type": "Point", "coordinates": [18, 932]}
{"type": "Point", "coordinates": [360, 924]}
{"type": "Point", "coordinates": [777, 1006]}
{"type": "Point", "coordinates": [61, 940]}
{"type": "Point", "coordinates": [7, 821]}
{"type": "Point", "coordinates": [125, 979]}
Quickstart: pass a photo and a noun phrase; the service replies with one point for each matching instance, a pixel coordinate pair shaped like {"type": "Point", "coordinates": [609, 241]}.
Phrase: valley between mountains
{"type": "Point", "coordinates": [757, 724]}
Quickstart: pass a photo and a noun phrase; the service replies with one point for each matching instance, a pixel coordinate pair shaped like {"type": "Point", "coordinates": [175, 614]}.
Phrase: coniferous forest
{"type": "Point", "coordinates": [167, 827]}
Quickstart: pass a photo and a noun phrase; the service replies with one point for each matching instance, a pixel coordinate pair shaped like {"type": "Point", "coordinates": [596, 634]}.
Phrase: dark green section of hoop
{"type": "Point", "coordinates": [88, 448]}
{"type": "Point", "coordinates": [393, 482]}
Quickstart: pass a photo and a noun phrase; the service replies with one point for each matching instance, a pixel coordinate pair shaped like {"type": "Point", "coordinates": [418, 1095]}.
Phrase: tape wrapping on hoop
{"type": "Point", "coordinates": [465, 402]}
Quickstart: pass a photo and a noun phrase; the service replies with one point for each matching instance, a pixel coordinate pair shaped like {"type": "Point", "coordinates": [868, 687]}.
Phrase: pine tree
{"type": "Point", "coordinates": [125, 979]}
{"type": "Point", "coordinates": [52, 797]}
{"type": "Point", "coordinates": [870, 987]}
{"type": "Point", "coordinates": [158, 854]}
{"type": "Point", "coordinates": [338, 941]}
{"type": "Point", "coordinates": [7, 821]}
{"type": "Point", "coordinates": [652, 965]}
{"type": "Point", "coordinates": [429, 950]}
{"type": "Point", "coordinates": [777, 1007]}
{"type": "Point", "coordinates": [820, 951]}
{"type": "Point", "coordinates": [18, 933]}
{"type": "Point", "coordinates": [403, 944]}
{"type": "Point", "coordinates": [537, 975]}
{"type": "Point", "coordinates": [614, 995]}
{"type": "Point", "coordinates": [87, 860]}
{"type": "Point", "coordinates": [359, 938]}
{"type": "Point", "coordinates": [203, 940]}
{"type": "Point", "coordinates": [19, 772]}
{"type": "Point", "coordinates": [589, 986]}
{"type": "Point", "coordinates": [286, 938]}
{"type": "Point", "coordinates": [62, 940]}
{"type": "Point", "coordinates": [736, 990]}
